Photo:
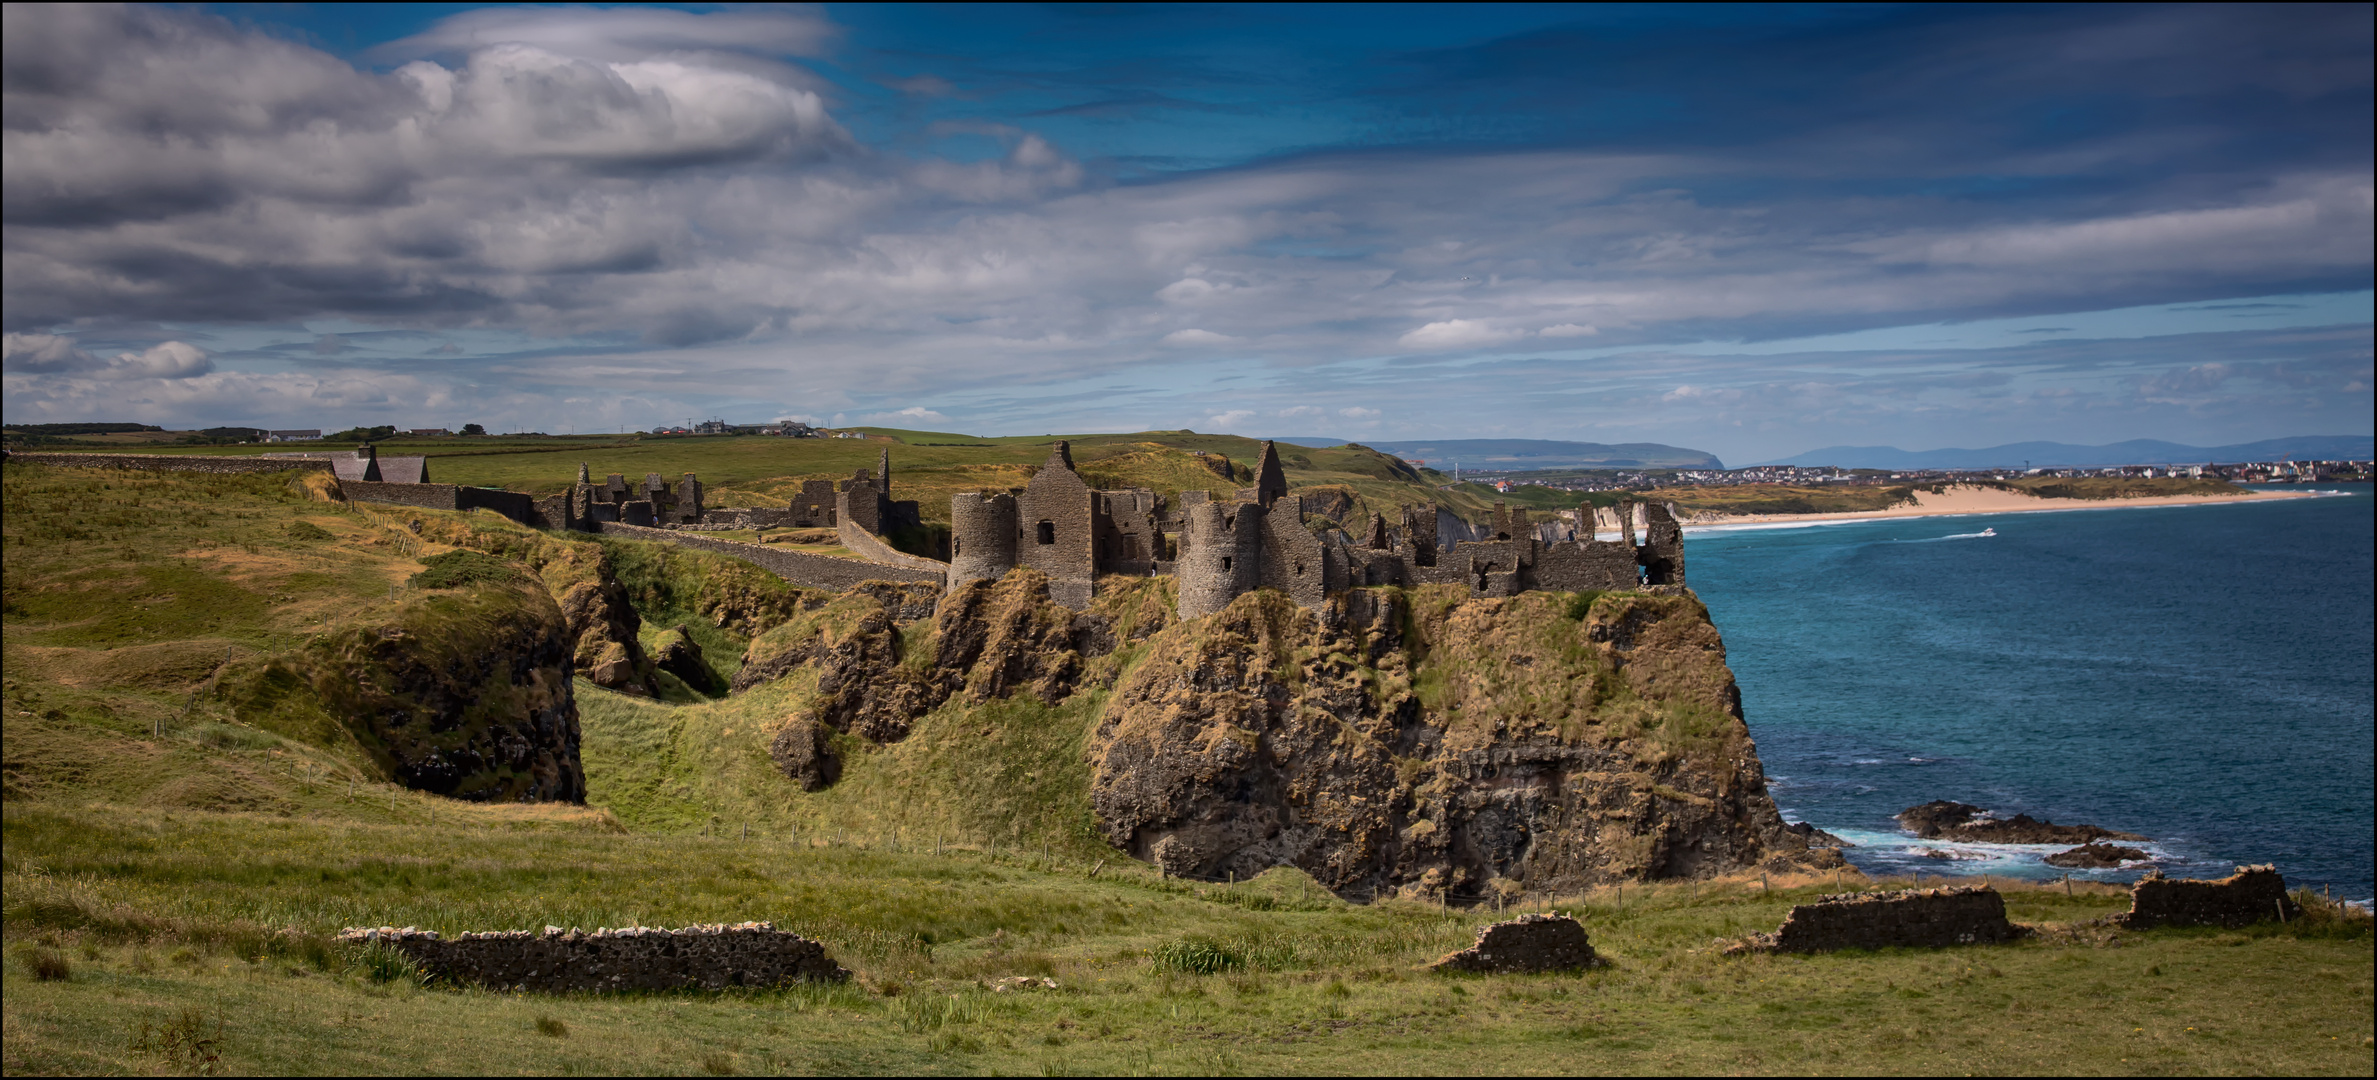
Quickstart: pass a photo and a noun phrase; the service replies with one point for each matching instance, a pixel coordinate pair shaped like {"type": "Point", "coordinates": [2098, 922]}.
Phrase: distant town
{"type": "Point", "coordinates": [2245, 472]}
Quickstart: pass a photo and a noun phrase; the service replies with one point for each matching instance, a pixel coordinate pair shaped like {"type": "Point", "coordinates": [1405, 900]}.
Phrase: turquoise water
{"type": "Point", "coordinates": [2200, 674]}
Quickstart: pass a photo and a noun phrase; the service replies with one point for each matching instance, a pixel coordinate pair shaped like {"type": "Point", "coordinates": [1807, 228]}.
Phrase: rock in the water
{"type": "Point", "coordinates": [1527, 943]}
{"type": "Point", "coordinates": [1944, 820]}
{"type": "Point", "coordinates": [1817, 837]}
{"type": "Point", "coordinates": [2096, 857]}
{"type": "Point", "coordinates": [804, 754]}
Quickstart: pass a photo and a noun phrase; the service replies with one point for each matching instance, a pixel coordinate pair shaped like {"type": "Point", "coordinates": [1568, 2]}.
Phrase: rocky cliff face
{"type": "Point", "coordinates": [463, 692]}
{"type": "Point", "coordinates": [1400, 741]}
{"type": "Point", "coordinates": [1425, 743]}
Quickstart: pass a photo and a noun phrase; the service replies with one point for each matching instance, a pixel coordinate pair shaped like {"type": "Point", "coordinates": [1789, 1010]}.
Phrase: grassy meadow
{"type": "Point", "coordinates": [173, 866]}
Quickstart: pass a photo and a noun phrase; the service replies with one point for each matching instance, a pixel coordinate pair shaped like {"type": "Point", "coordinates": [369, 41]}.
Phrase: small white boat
{"type": "Point", "coordinates": [1989, 532]}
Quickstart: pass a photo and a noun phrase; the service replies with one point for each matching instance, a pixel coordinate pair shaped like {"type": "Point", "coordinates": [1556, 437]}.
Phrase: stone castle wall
{"type": "Point", "coordinates": [1914, 918]}
{"type": "Point", "coordinates": [875, 550]}
{"type": "Point", "coordinates": [798, 567]}
{"type": "Point", "coordinates": [2250, 895]}
{"type": "Point", "coordinates": [556, 961]}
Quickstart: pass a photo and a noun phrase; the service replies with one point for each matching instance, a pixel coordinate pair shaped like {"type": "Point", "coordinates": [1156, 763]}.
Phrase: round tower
{"type": "Point", "coordinates": [1221, 548]}
{"type": "Point", "coordinates": [981, 536]}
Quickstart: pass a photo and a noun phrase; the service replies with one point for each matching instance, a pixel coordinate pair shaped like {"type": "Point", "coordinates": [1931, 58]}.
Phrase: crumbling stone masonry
{"type": "Point", "coordinates": [1059, 526]}
{"type": "Point", "coordinates": [2250, 895]}
{"type": "Point", "coordinates": [1262, 539]}
{"type": "Point", "coordinates": [1912, 919]}
{"type": "Point", "coordinates": [715, 957]}
{"type": "Point", "coordinates": [1526, 944]}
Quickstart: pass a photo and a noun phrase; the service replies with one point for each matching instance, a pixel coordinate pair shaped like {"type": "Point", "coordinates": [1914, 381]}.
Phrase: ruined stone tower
{"type": "Point", "coordinates": [982, 535]}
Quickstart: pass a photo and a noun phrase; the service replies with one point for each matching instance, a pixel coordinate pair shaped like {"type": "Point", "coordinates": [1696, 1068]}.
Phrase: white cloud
{"type": "Point", "coordinates": [1197, 337]}
{"type": "Point", "coordinates": [1300, 411]}
{"type": "Point", "coordinates": [1456, 333]}
{"type": "Point", "coordinates": [908, 417]}
{"type": "Point", "coordinates": [52, 353]}
{"type": "Point", "coordinates": [1356, 412]}
{"type": "Point", "coordinates": [1230, 419]}
{"type": "Point", "coordinates": [1562, 330]}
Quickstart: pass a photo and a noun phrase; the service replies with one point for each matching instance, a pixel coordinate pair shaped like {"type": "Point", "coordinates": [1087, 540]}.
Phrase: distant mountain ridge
{"type": "Point", "coordinates": [2055, 455]}
{"type": "Point", "coordinates": [1513, 455]}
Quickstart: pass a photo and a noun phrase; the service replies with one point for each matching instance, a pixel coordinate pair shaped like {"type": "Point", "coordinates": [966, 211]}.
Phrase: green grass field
{"type": "Point", "coordinates": [212, 924]}
{"type": "Point", "coordinates": [172, 868]}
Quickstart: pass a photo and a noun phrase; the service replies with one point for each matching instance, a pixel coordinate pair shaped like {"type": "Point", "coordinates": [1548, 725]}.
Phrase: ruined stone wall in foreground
{"type": "Point", "coordinates": [1915, 918]}
{"type": "Point", "coordinates": [753, 954]}
{"type": "Point", "coordinates": [2250, 895]}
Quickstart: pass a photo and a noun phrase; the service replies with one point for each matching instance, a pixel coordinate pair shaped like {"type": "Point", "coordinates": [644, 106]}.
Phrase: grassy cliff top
{"type": "Point", "coordinates": [756, 470]}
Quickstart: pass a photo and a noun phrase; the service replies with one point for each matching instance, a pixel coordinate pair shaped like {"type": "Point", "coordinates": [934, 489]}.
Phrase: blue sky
{"type": "Point", "coordinates": [1752, 230]}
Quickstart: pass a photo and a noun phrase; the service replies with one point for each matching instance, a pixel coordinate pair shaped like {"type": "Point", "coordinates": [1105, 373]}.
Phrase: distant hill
{"type": "Point", "coordinates": [1512, 455]}
{"type": "Point", "coordinates": [2045, 455]}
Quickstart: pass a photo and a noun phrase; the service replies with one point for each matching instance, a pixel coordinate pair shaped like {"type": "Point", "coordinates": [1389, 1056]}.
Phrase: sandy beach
{"type": "Point", "coordinates": [1963, 499]}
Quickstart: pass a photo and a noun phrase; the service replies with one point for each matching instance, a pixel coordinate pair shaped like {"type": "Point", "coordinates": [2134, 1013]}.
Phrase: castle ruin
{"type": "Point", "coordinates": [1265, 538]}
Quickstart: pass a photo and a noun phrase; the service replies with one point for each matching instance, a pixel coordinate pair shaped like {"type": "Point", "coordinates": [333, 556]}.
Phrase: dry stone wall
{"type": "Point", "coordinates": [174, 462]}
{"type": "Point", "coordinates": [2250, 895]}
{"type": "Point", "coordinates": [715, 957]}
{"type": "Point", "coordinates": [1909, 919]}
{"type": "Point", "coordinates": [1527, 943]}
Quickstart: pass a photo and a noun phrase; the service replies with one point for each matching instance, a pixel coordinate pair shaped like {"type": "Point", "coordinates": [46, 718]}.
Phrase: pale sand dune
{"type": "Point", "coordinates": [1964, 499]}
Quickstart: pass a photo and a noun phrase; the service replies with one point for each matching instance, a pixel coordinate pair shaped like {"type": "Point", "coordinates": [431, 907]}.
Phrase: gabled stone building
{"type": "Point", "coordinates": [1059, 526]}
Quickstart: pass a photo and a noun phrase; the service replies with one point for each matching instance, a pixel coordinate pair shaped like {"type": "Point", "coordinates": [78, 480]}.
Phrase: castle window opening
{"type": "Point", "coordinates": [1048, 532]}
{"type": "Point", "coordinates": [1225, 562]}
{"type": "Point", "coordinates": [1130, 548]}
{"type": "Point", "coordinates": [1299, 569]}
{"type": "Point", "coordinates": [957, 545]}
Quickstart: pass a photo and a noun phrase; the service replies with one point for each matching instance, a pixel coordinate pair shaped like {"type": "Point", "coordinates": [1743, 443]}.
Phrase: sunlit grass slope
{"type": "Point", "coordinates": [168, 890]}
{"type": "Point", "coordinates": [215, 921]}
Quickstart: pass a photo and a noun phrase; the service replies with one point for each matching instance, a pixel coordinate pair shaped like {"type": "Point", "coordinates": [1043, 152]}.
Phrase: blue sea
{"type": "Point", "coordinates": [2198, 674]}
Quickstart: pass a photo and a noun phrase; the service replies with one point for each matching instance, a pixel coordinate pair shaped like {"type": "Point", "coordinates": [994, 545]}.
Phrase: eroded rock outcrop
{"type": "Point", "coordinates": [1426, 743]}
{"type": "Point", "coordinates": [462, 692]}
{"type": "Point", "coordinates": [603, 626]}
{"type": "Point", "coordinates": [2097, 857]}
{"type": "Point", "coordinates": [1944, 820]}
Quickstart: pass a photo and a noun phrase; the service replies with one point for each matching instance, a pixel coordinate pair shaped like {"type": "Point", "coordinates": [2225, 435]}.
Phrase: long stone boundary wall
{"type": "Point", "coordinates": [173, 462]}
{"type": "Point", "coordinates": [1527, 943]}
{"type": "Point", "coordinates": [858, 539]}
{"type": "Point", "coordinates": [798, 567]}
{"type": "Point", "coordinates": [2250, 895]}
{"type": "Point", "coordinates": [515, 505]}
{"type": "Point", "coordinates": [1914, 918]}
{"type": "Point", "coordinates": [752, 954]}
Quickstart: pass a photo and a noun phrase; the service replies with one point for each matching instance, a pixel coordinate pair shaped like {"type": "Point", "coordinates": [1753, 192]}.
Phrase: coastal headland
{"type": "Point", "coordinates": [1053, 817]}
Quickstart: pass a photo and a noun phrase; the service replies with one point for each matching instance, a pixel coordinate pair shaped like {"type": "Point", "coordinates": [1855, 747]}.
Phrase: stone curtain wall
{"type": "Point", "coordinates": [868, 544]}
{"type": "Point", "coordinates": [1527, 943]}
{"type": "Point", "coordinates": [800, 568]}
{"type": "Point", "coordinates": [174, 462]}
{"type": "Point", "coordinates": [425, 496]}
{"type": "Point", "coordinates": [512, 504]}
{"type": "Point", "coordinates": [1921, 919]}
{"type": "Point", "coordinates": [2250, 895]}
{"type": "Point", "coordinates": [753, 954]}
